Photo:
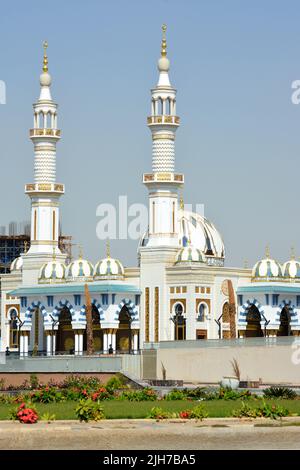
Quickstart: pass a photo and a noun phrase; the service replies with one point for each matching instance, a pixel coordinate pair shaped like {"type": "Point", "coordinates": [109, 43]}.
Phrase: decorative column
{"type": "Point", "coordinates": [105, 341]}
{"type": "Point", "coordinates": [80, 342]}
{"type": "Point", "coordinates": [49, 343]}
{"type": "Point", "coordinates": [76, 343]}
{"type": "Point", "coordinates": [53, 343]}
{"type": "Point", "coordinates": [114, 340]}
{"type": "Point", "coordinates": [25, 343]}
{"type": "Point", "coordinates": [135, 341]}
{"type": "Point", "coordinates": [21, 344]}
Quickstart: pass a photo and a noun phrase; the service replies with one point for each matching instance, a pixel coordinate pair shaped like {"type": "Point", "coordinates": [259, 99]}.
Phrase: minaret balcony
{"type": "Point", "coordinates": [163, 177]}
{"type": "Point", "coordinates": [163, 119]}
{"type": "Point", "coordinates": [45, 132]}
{"type": "Point", "coordinates": [43, 188]}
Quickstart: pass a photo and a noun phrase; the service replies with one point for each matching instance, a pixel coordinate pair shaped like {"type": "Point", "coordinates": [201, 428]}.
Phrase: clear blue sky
{"type": "Point", "coordinates": [232, 62]}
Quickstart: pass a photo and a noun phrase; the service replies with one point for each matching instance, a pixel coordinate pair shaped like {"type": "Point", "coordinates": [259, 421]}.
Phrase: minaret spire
{"type": "Point", "coordinates": [163, 183]}
{"type": "Point", "coordinates": [45, 191]}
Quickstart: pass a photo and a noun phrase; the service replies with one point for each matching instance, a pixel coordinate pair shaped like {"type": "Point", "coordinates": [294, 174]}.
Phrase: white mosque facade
{"type": "Point", "coordinates": [181, 288]}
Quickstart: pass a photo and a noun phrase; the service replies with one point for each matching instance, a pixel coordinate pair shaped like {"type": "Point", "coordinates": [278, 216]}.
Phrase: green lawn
{"type": "Point", "coordinates": [126, 409]}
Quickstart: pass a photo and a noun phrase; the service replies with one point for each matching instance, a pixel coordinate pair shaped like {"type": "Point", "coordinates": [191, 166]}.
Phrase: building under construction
{"type": "Point", "coordinates": [11, 246]}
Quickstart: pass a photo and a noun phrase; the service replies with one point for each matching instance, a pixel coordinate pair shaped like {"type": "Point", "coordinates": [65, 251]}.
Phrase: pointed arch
{"type": "Point", "coordinates": [132, 309]}
{"type": "Point", "coordinates": [245, 307]}
{"type": "Point", "coordinates": [97, 305]}
{"type": "Point", "coordinates": [292, 311]}
{"type": "Point", "coordinates": [61, 304]}
{"type": "Point", "coordinates": [32, 307]}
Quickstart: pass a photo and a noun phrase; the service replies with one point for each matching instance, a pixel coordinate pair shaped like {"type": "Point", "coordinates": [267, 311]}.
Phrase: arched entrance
{"type": "Point", "coordinates": [124, 335]}
{"type": "Point", "coordinates": [253, 323]}
{"type": "Point", "coordinates": [65, 341]}
{"type": "Point", "coordinates": [14, 335]}
{"type": "Point", "coordinates": [179, 323]}
{"type": "Point", "coordinates": [97, 332]}
{"type": "Point", "coordinates": [285, 317]}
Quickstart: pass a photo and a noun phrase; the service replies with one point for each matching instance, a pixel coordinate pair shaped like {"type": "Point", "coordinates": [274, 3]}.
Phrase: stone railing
{"type": "Point", "coordinates": [162, 119]}
{"type": "Point", "coordinates": [45, 132]}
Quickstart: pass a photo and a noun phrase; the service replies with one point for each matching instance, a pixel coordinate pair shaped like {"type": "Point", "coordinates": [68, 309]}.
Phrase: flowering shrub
{"type": "Point", "coordinates": [195, 413]}
{"type": "Point", "coordinates": [47, 395]}
{"type": "Point", "coordinates": [265, 410]}
{"type": "Point", "coordinates": [101, 394]}
{"type": "Point", "coordinates": [89, 410]}
{"type": "Point", "coordinates": [25, 414]}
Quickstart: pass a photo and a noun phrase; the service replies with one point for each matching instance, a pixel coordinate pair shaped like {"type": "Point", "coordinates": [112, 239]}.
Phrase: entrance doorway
{"type": "Point", "coordinates": [253, 323]}
{"type": "Point", "coordinates": [124, 334]}
{"type": "Point", "coordinates": [285, 317]}
{"type": "Point", "coordinates": [65, 342]}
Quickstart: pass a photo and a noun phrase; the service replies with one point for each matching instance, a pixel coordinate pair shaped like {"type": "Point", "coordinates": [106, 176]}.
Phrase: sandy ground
{"type": "Point", "coordinates": [151, 435]}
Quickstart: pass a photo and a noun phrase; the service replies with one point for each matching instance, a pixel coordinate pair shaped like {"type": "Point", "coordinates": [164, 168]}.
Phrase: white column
{"type": "Point", "coordinates": [80, 343]}
{"type": "Point", "coordinates": [48, 343]}
{"type": "Point", "coordinates": [113, 341]}
{"type": "Point", "coordinates": [25, 344]}
{"type": "Point", "coordinates": [21, 345]}
{"type": "Point", "coordinates": [135, 343]}
{"type": "Point", "coordinates": [163, 107]}
{"type": "Point", "coordinates": [76, 344]}
{"type": "Point", "coordinates": [109, 335]}
{"type": "Point", "coordinates": [105, 342]}
{"type": "Point", "coordinates": [54, 343]}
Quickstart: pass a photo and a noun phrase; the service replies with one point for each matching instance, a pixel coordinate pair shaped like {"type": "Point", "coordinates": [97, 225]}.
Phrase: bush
{"type": "Point", "coordinates": [158, 413]}
{"type": "Point", "coordinates": [48, 417]}
{"type": "Point", "coordinates": [146, 394]}
{"type": "Point", "coordinates": [280, 392]}
{"type": "Point", "coordinates": [47, 395]}
{"type": "Point", "coordinates": [80, 382]}
{"type": "Point", "coordinates": [24, 414]}
{"type": "Point", "coordinates": [199, 393]}
{"type": "Point", "coordinates": [34, 381]}
{"type": "Point", "coordinates": [101, 394]}
{"type": "Point", "coordinates": [89, 410]}
{"type": "Point", "coordinates": [116, 382]}
{"type": "Point", "coordinates": [175, 395]}
{"type": "Point", "coordinates": [196, 413]}
{"type": "Point", "coordinates": [245, 412]}
{"type": "Point", "coordinates": [266, 410]}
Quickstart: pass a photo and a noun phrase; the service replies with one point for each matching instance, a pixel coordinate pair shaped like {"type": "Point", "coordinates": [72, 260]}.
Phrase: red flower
{"type": "Point", "coordinates": [185, 414]}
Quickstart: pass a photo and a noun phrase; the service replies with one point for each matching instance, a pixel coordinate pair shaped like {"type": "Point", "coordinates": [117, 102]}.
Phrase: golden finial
{"type": "Point", "coordinates": [267, 252]}
{"type": "Point", "coordinates": [293, 255]}
{"type": "Point", "coordinates": [54, 254]}
{"type": "Point", "coordinates": [45, 62]}
{"type": "Point", "coordinates": [164, 41]}
{"type": "Point", "coordinates": [246, 264]}
{"type": "Point", "coordinates": [25, 246]}
{"type": "Point", "coordinates": [80, 250]}
{"type": "Point", "coordinates": [107, 248]}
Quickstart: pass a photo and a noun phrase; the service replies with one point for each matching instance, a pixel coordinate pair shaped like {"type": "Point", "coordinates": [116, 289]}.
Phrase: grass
{"type": "Point", "coordinates": [137, 410]}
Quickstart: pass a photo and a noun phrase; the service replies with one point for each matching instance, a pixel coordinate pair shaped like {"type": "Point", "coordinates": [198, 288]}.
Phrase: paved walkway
{"type": "Point", "coordinates": [152, 435]}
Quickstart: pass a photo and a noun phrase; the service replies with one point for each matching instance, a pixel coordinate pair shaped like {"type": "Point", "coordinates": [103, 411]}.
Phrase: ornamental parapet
{"type": "Point", "coordinates": [45, 132]}
{"type": "Point", "coordinates": [167, 177]}
{"type": "Point", "coordinates": [57, 188]}
{"type": "Point", "coordinates": [163, 120]}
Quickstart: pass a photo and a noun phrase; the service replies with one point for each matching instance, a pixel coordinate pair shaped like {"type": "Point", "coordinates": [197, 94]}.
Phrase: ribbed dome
{"type": "Point", "coordinates": [80, 269]}
{"type": "Point", "coordinates": [291, 269]}
{"type": "Point", "coordinates": [17, 264]}
{"type": "Point", "coordinates": [109, 268]}
{"type": "Point", "coordinates": [266, 269]}
{"type": "Point", "coordinates": [189, 254]}
{"type": "Point", "coordinates": [53, 271]}
{"type": "Point", "coordinates": [201, 234]}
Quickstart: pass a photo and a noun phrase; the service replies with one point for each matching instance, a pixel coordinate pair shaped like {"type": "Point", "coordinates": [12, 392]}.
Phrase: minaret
{"type": "Point", "coordinates": [45, 191]}
{"type": "Point", "coordinates": [163, 183]}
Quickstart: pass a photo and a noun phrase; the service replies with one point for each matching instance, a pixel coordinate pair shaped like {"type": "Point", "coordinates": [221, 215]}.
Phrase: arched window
{"type": "Point", "coordinates": [179, 322]}
{"type": "Point", "coordinates": [202, 311]}
{"type": "Point", "coordinates": [13, 329]}
{"type": "Point", "coordinates": [253, 319]}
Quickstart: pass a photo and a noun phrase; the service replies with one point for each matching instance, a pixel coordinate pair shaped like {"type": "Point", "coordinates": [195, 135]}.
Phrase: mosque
{"type": "Point", "coordinates": [180, 289]}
